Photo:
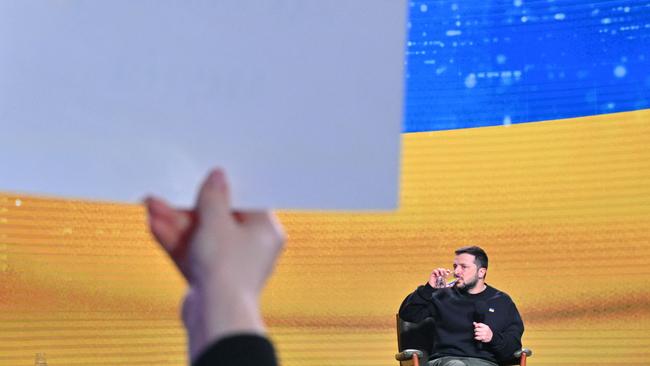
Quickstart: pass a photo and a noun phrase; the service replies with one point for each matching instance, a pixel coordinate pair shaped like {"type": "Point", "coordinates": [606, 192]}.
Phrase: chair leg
{"type": "Point", "coordinates": [522, 362]}
{"type": "Point", "coordinates": [416, 360]}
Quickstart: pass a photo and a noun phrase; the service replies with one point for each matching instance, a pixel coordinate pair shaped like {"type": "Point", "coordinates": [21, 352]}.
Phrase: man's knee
{"type": "Point", "coordinates": [454, 363]}
{"type": "Point", "coordinates": [445, 361]}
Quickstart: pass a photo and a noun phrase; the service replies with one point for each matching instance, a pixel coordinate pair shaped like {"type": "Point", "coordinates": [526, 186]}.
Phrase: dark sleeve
{"type": "Point", "coordinates": [418, 306]}
{"type": "Point", "coordinates": [239, 350]}
{"type": "Point", "coordinates": [504, 344]}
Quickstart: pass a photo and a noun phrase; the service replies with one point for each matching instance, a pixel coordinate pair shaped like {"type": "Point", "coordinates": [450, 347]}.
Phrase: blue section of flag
{"type": "Point", "coordinates": [485, 63]}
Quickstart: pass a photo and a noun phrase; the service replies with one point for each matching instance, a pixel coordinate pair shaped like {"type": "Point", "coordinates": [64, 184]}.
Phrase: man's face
{"type": "Point", "coordinates": [465, 271]}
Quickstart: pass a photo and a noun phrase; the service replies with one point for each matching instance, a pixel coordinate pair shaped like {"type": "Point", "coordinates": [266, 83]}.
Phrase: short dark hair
{"type": "Point", "coordinates": [480, 257]}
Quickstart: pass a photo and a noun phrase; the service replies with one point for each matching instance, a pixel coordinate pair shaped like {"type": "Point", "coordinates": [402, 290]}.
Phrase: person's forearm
{"type": "Point", "coordinates": [213, 313]}
{"type": "Point", "coordinates": [416, 307]}
{"type": "Point", "coordinates": [504, 345]}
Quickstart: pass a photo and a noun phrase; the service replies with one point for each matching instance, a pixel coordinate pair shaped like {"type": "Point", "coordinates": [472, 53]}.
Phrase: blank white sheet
{"type": "Point", "coordinates": [300, 101]}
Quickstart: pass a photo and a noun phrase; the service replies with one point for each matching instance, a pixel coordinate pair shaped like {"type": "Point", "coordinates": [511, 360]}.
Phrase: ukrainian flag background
{"type": "Point", "coordinates": [561, 204]}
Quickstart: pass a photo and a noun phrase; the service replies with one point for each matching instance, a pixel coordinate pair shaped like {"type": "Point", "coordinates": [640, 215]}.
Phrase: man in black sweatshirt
{"type": "Point", "coordinates": [475, 324]}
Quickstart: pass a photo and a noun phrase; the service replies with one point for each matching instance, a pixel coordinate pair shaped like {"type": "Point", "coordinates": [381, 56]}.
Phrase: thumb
{"type": "Point", "coordinates": [213, 203]}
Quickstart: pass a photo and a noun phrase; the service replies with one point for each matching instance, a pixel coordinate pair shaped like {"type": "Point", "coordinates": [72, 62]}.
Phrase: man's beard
{"type": "Point", "coordinates": [468, 285]}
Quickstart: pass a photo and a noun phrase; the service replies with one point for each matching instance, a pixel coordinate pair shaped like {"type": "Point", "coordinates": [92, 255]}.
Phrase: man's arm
{"type": "Point", "coordinates": [418, 306]}
{"type": "Point", "coordinates": [505, 343]}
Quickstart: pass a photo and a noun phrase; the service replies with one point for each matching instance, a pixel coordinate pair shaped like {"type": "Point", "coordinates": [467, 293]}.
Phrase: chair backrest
{"type": "Point", "coordinates": [415, 335]}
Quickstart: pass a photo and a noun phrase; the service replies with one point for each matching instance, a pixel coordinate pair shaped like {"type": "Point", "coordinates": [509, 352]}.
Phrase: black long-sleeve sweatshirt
{"type": "Point", "coordinates": [454, 313]}
{"type": "Point", "coordinates": [239, 350]}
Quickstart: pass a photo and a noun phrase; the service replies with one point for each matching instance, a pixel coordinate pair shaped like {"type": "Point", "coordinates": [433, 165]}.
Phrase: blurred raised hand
{"type": "Point", "coordinates": [225, 256]}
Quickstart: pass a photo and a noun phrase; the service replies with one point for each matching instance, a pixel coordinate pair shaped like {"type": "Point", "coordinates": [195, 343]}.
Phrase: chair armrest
{"type": "Point", "coordinates": [527, 351]}
{"type": "Point", "coordinates": [407, 354]}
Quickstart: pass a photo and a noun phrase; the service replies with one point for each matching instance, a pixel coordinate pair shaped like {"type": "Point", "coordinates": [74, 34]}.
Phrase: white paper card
{"type": "Point", "coordinates": [300, 101]}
